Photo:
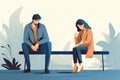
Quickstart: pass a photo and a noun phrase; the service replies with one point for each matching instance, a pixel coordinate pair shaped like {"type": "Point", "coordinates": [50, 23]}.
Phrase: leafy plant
{"type": "Point", "coordinates": [10, 64]}
{"type": "Point", "coordinates": [14, 31]}
{"type": "Point", "coordinates": [112, 44]}
{"type": "Point", "coordinates": [14, 34]}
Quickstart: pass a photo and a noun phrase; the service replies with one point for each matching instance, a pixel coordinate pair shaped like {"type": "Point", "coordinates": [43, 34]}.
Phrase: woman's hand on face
{"type": "Point", "coordinates": [76, 35]}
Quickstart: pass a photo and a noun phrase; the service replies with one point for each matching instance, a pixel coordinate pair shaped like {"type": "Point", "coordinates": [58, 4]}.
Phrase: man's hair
{"type": "Point", "coordinates": [36, 17]}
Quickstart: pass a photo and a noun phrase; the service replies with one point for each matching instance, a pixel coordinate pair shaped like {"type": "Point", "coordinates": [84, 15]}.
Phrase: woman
{"type": "Point", "coordinates": [83, 44]}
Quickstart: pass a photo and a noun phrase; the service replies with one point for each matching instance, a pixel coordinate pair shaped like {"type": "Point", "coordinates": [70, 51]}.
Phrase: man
{"type": "Point", "coordinates": [36, 40]}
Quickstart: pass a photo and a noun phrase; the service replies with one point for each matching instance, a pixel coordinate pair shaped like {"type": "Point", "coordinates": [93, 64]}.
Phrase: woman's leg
{"type": "Point", "coordinates": [74, 55]}
{"type": "Point", "coordinates": [75, 60]}
{"type": "Point", "coordinates": [80, 50]}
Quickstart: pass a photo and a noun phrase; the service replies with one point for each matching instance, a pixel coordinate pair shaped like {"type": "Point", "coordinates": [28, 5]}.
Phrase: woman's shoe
{"type": "Point", "coordinates": [75, 69]}
{"type": "Point", "coordinates": [80, 68]}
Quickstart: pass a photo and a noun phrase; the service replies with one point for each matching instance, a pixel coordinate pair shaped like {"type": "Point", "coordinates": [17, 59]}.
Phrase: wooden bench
{"type": "Point", "coordinates": [102, 53]}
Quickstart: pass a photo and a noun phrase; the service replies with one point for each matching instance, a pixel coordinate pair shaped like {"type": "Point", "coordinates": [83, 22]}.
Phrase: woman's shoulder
{"type": "Point", "coordinates": [89, 30]}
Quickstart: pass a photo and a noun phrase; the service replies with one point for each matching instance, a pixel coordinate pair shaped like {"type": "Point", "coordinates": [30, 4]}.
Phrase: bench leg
{"type": "Point", "coordinates": [24, 65]}
{"type": "Point", "coordinates": [102, 62]}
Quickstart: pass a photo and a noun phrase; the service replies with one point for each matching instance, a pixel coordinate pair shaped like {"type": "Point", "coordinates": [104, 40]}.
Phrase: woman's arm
{"type": "Point", "coordinates": [88, 38]}
{"type": "Point", "coordinates": [77, 38]}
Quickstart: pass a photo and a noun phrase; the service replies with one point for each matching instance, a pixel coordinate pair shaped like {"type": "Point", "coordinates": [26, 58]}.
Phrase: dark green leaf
{"type": "Point", "coordinates": [5, 66]}
{"type": "Point", "coordinates": [8, 63]}
{"type": "Point", "coordinates": [16, 63]}
{"type": "Point", "coordinates": [18, 66]}
{"type": "Point", "coordinates": [9, 46]}
{"type": "Point", "coordinates": [13, 62]}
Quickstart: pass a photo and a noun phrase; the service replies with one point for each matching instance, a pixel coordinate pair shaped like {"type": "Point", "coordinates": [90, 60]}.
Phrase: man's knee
{"type": "Point", "coordinates": [49, 43]}
{"type": "Point", "coordinates": [24, 45]}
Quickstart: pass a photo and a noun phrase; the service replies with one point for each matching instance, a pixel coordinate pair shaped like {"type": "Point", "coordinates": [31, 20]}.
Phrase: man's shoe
{"type": "Point", "coordinates": [27, 71]}
{"type": "Point", "coordinates": [47, 71]}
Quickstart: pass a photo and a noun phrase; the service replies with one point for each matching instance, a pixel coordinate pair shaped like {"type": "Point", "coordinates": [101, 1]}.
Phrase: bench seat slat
{"type": "Point", "coordinates": [69, 52]}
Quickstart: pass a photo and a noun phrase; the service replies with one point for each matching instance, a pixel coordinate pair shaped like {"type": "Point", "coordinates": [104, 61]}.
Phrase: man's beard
{"type": "Point", "coordinates": [36, 24]}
